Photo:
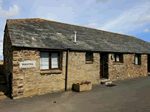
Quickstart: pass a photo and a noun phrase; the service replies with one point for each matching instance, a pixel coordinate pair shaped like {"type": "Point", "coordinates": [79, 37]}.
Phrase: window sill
{"type": "Point", "coordinates": [117, 63]}
{"type": "Point", "coordinates": [89, 62]}
{"type": "Point", "coordinates": [51, 72]}
{"type": "Point", "coordinates": [137, 65]}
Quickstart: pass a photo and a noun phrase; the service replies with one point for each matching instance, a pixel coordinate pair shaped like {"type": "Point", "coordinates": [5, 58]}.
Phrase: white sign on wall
{"type": "Point", "coordinates": [27, 64]}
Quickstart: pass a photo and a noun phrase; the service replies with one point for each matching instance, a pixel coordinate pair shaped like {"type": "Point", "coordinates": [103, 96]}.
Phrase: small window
{"type": "Point", "coordinates": [50, 60]}
{"type": "Point", "coordinates": [89, 56]}
{"type": "Point", "coordinates": [137, 59]}
{"type": "Point", "coordinates": [118, 58]}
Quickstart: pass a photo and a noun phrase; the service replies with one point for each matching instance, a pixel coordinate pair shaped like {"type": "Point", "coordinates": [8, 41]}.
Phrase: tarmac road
{"type": "Point", "coordinates": [131, 95]}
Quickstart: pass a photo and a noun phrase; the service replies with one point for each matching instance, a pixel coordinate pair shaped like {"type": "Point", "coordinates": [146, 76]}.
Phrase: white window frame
{"type": "Point", "coordinates": [53, 60]}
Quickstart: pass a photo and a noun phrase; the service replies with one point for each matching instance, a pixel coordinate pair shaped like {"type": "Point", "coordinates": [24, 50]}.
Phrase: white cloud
{"type": "Point", "coordinates": [103, 1]}
{"type": "Point", "coordinates": [68, 11]}
{"type": "Point", "coordinates": [144, 19]}
{"type": "Point", "coordinates": [146, 30]}
{"type": "Point", "coordinates": [51, 16]}
{"type": "Point", "coordinates": [113, 23]}
{"type": "Point", "coordinates": [121, 32]}
{"type": "Point", "coordinates": [58, 13]}
{"type": "Point", "coordinates": [93, 25]}
{"type": "Point", "coordinates": [13, 11]}
{"type": "Point", "coordinates": [129, 20]}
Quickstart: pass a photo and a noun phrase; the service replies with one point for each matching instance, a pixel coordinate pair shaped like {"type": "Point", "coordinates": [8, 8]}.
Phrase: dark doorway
{"type": "Point", "coordinates": [104, 65]}
{"type": "Point", "coordinates": [148, 62]}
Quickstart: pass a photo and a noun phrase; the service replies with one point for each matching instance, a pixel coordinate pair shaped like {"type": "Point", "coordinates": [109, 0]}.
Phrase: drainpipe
{"type": "Point", "coordinates": [66, 76]}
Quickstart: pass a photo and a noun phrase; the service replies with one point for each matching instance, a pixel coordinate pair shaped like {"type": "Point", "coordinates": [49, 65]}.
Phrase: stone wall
{"type": "Point", "coordinates": [78, 70]}
{"type": "Point", "coordinates": [7, 52]}
{"type": "Point", "coordinates": [30, 81]}
{"type": "Point", "coordinates": [127, 69]}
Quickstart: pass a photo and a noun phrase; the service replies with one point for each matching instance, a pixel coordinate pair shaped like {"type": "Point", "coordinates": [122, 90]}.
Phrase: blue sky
{"type": "Point", "coordinates": [130, 17]}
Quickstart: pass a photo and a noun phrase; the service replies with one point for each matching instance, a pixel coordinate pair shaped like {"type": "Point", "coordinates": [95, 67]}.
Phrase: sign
{"type": "Point", "coordinates": [27, 64]}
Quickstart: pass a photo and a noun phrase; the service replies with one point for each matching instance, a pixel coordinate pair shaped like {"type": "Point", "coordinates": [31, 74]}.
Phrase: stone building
{"type": "Point", "coordinates": [42, 56]}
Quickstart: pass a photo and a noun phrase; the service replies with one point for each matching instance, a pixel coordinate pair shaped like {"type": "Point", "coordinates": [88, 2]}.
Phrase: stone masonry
{"type": "Point", "coordinates": [78, 70]}
{"type": "Point", "coordinates": [127, 69]}
{"type": "Point", "coordinates": [29, 81]}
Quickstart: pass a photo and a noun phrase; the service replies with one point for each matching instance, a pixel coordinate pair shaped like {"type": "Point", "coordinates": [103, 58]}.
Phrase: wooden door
{"type": "Point", "coordinates": [104, 65]}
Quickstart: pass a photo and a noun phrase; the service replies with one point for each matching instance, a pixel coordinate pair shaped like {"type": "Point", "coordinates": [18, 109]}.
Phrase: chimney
{"type": "Point", "coordinates": [75, 38]}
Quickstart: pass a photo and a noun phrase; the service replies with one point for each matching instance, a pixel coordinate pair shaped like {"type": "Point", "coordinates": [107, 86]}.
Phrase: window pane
{"type": "Point", "coordinates": [87, 56]}
{"type": "Point", "coordinates": [117, 57]}
{"type": "Point", "coordinates": [44, 60]}
{"type": "Point", "coordinates": [54, 57]}
{"type": "Point", "coordinates": [136, 59]}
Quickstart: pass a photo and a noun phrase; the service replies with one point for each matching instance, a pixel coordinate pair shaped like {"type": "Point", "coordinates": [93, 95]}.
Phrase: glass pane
{"type": "Point", "coordinates": [44, 60]}
{"type": "Point", "coordinates": [54, 57]}
{"type": "Point", "coordinates": [136, 59]}
{"type": "Point", "coordinates": [117, 57]}
{"type": "Point", "coordinates": [87, 56]}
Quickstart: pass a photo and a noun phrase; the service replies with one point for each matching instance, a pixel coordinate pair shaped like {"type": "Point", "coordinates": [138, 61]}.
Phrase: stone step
{"type": "Point", "coordinates": [104, 80]}
{"type": "Point", "coordinates": [108, 83]}
{"type": "Point", "coordinates": [3, 97]}
{"type": "Point", "coordinates": [2, 93]}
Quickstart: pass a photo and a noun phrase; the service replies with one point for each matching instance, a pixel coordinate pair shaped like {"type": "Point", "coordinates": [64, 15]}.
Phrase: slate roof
{"type": "Point", "coordinates": [41, 33]}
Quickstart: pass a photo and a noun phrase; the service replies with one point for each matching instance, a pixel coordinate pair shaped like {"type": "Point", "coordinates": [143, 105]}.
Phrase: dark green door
{"type": "Point", "coordinates": [104, 65]}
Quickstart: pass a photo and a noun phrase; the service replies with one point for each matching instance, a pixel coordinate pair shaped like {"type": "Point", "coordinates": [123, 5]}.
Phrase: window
{"type": "Point", "coordinates": [50, 60]}
{"type": "Point", "coordinates": [137, 59]}
{"type": "Point", "coordinates": [118, 58]}
{"type": "Point", "coordinates": [89, 56]}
